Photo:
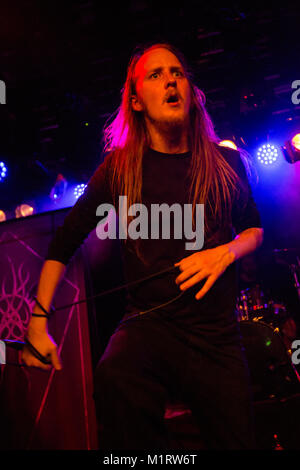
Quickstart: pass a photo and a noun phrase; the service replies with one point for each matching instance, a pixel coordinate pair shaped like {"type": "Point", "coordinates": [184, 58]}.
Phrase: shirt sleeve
{"type": "Point", "coordinates": [82, 219]}
{"type": "Point", "coordinates": [244, 213]}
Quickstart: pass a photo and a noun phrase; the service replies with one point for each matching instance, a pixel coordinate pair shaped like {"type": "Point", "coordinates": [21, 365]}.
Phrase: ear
{"type": "Point", "coordinates": [136, 104]}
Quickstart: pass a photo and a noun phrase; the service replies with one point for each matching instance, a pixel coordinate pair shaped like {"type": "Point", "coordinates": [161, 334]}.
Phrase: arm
{"type": "Point", "coordinates": [79, 222]}
{"type": "Point", "coordinates": [246, 221]}
{"type": "Point", "coordinates": [50, 277]}
{"type": "Point", "coordinates": [37, 333]}
{"type": "Point", "coordinates": [245, 242]}
{"type": "Point", "coordinates": [212, 263]}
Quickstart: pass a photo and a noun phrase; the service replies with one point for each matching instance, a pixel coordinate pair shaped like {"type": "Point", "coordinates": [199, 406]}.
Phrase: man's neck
{"type": "Point", "coordinates": [169, 142]}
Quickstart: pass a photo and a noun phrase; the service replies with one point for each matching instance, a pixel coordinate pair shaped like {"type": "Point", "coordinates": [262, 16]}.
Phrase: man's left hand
{"type": "Point", "coordinates": [208, 264]}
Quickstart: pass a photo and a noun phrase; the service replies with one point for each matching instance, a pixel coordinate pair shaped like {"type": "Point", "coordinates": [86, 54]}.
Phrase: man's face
{"type": "Point", "coordinates": [163, 92]}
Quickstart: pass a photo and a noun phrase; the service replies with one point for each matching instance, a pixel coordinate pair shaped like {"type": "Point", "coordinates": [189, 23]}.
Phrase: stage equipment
{"type": "Point", "coordinates": [272, 373]}
{"type": "Point", "coordinates": [264, 325]}
{"type": "Point", "coordinates": [287, 257]}
{"type": "Point", "coordinates": [79, 190]}
{"type": "Point", "coordinates": [3, 171]}
{"type": "Point", "coordinates": [228, 143]}
{"type": "Point", "coordinates": [24, 210]}
{"type": "Point", "coordinates": [267, 154]}
{"type": "Point", "coordinates": [59, 189]}
{"type": "Point", "coordinates": [291, 149]}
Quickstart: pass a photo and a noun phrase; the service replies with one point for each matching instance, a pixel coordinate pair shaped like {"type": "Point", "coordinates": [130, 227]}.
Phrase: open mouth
{"type": "Point", "coordinates": [173, 99]}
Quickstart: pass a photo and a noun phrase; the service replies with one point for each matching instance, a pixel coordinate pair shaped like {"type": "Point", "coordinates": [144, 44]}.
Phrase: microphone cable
{"type": "Point", "coordinates": [123, 286]}
{"type": "Point", "coordinates": [20, 344]}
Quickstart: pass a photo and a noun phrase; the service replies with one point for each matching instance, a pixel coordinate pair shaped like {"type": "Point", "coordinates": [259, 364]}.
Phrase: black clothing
{"type": "Point", "coordinates": [147, 364]}
{"type": "Point", "coordinates": [164, 181]}
{"type": "Point", "coordinates": [190, 349]}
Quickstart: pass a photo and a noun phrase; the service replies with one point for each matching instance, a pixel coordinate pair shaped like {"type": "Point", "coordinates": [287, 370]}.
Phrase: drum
{"type": "Point", "coordinates": [277, 314]}
{"type": "Point", "coordinates": [252, 304]}
{"type": "Point", "coordinates": [242, 307]}
{"type": "Point", "coordinates": [272, 372]}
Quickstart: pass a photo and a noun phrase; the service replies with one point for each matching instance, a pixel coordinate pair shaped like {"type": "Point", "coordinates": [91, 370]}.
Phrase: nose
{"type": "Point", "coordinates": [170, 81]}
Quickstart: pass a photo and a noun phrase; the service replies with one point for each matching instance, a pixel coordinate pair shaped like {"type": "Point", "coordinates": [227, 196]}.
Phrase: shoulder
{"type": "Point", "coordinates": [240, 161]}
{"type": "Point", "coordinates": [107, 160]}
{"type": "Point", "coordinates": [232, 156]}
{"type": "Point", "coordinates": [101, 175]}
{"type": "Point", "coordinates": [105, 164]}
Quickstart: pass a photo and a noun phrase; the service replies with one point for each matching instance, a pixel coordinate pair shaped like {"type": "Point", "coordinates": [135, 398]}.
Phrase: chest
{"type": "Point", "coordinates": [165, 181]}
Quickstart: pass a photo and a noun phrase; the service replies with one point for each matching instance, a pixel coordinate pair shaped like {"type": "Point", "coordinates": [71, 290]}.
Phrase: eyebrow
{"type": "Point", "coordinates": [174, 68]}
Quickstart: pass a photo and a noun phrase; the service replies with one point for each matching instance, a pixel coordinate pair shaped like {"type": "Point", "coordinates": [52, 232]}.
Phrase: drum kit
{"type": "Point", "coordinates": [267, 332]}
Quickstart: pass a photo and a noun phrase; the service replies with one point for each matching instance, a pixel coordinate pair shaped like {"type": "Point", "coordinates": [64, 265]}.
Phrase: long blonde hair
{"type": "Point", "coordinates": [213, 181]}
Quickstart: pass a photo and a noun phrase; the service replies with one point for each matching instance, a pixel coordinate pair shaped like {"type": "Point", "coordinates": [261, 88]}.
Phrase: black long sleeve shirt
{"type": "Point", "coordinates": [164, 181]}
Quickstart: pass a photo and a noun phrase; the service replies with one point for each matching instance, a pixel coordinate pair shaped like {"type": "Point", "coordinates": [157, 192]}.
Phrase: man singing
{"type": "Point", "coordinates": [179, 335]}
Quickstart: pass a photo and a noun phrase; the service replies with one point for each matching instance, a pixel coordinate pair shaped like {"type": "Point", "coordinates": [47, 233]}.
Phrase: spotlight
{"type": "Point", "coordinates": [24, 210]}
{"type": "Point", "coordinates": [3, 171]}
{"type": "Point", "coordinates": [59, 188]}
{"type": "Point", "coordinates": [291, 149]}
{"type": "Point", "coordinates": [2, 216]}
{"type": "Point", "coordinates": [79, 190]}
{"type": "Point", "coordinates": [296, 141]}
{"type": "Point", "coordinates": [228, 143]}
{"type": "Point", "coordinates": [267, 154]}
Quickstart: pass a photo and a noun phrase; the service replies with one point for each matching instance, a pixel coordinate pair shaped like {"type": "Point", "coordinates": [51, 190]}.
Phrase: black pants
{"type": "Point", "coordinates": [145, 363]}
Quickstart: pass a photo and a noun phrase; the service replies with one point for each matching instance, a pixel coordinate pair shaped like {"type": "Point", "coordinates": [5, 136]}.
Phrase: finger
{"type": "Point", "coordinates": [185, 261]}
{"type": "Point", "coordinates": [30, 360]}
{"type": "Point", "coordinates": [26, 357]}
{"type": "Point", "coordinates": [209, 283]}
{"type": "Point", "coordinates": [186, 274]}
{"type": "Point", "coordinates": [40, 365]}
{"type": "Point", "coordinates": [194, 280]}
{"type": "Point", "coordinates": [55, 360]}
{"type": "Point", "coordinates": [36, 363]}
{"type": "Point", "coordinates": [187, 265]}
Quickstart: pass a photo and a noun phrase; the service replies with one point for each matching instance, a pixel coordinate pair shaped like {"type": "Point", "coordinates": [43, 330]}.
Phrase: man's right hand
{"type": "Point", "coordinates": [37, 332]}
{"type": "Point", "coordinates": [46, 346]}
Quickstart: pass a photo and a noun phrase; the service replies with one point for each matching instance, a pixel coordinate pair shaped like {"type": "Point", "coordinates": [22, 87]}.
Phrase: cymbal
{"type": "Point", "coordinates": [283, 253]}
{"type": "Point", "coordinates": [286, 251]}
{"type": "Point", "coordinates": [287, 256]}
{"type": "Point", "coordinates": [280, 251]}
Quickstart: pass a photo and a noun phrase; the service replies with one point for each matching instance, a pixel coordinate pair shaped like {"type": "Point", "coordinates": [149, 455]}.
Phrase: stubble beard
{"type": "Point", "coordinates": [172, 126]}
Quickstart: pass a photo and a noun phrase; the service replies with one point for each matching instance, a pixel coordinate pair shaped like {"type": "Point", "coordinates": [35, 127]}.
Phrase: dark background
{"type": "Point", "coordinates": [64, 64]}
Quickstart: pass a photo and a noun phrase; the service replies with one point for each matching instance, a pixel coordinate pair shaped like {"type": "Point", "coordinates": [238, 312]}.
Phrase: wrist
{"type": "Point", "coordinates": [228, 253]}
{"type": "Point", "coordinates": [37, 325]}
